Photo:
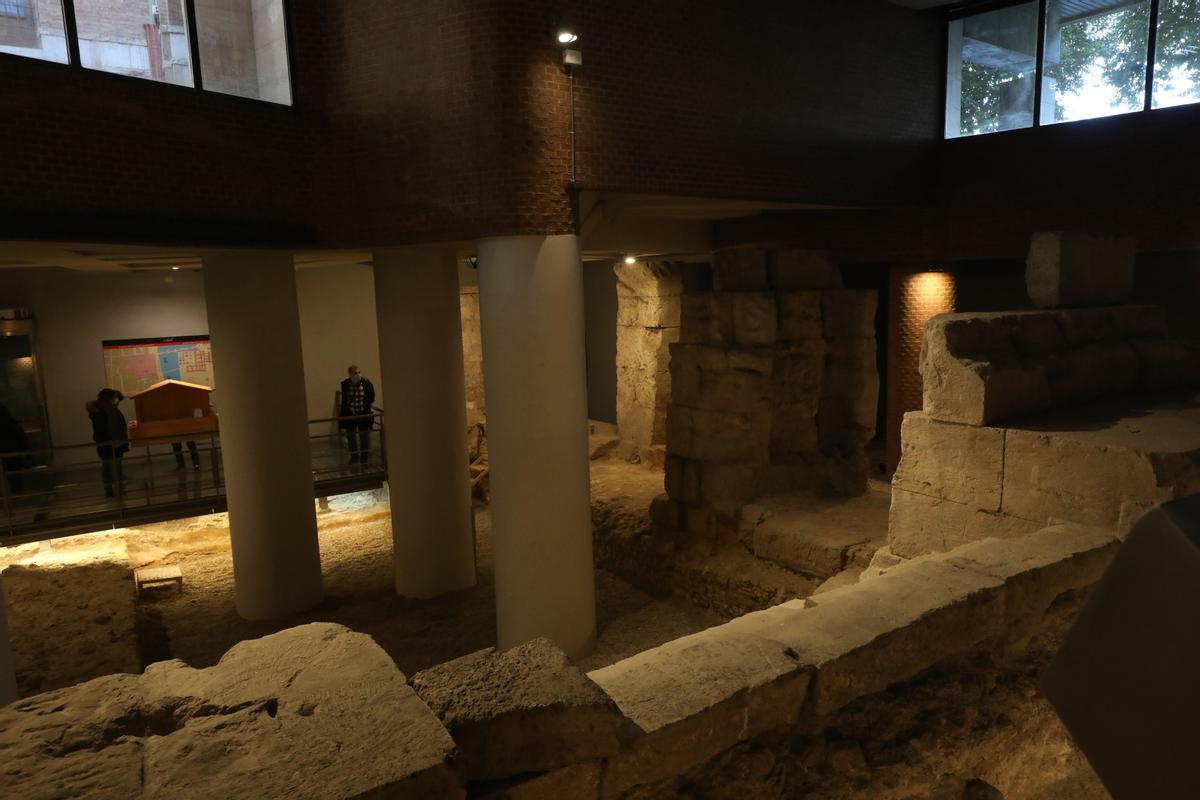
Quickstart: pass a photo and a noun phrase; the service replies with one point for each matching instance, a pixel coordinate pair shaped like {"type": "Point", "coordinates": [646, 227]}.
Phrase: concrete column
{"type": "Point", "coordinates": [531, 310]}
{"type": "Point", "coordinates": [254, 322]}
{"type": "Point", "coordinates": [421, 355]}
{"type": "Point", "coordinates": [8, 667]}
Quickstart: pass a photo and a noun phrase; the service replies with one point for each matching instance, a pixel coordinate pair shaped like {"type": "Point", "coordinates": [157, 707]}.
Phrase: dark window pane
{"type": "Point", "coordinates": [1095, 58]}
{"type": "Point", "coordinates": [33, 28]}
{"type": "Point", "coordinates": [991, 73]}
{"type": "Point", "coordinates": [1177, 55]}
{"type": "Point", "coordinates": [243, 48]}
{"type": "Point", "coordinates": [142, 38]}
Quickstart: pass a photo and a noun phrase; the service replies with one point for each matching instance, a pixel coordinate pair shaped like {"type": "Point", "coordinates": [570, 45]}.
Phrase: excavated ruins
{"type": "Point", "coordinates": [827, 636]}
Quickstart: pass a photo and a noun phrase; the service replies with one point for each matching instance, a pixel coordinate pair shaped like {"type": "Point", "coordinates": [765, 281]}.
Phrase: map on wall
{"type": "Point", "coordinates": [133, 364]}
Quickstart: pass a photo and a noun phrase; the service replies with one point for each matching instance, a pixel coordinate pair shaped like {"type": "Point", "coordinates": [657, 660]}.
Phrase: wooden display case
{"type": "Point", "coordinates": [172, 411]}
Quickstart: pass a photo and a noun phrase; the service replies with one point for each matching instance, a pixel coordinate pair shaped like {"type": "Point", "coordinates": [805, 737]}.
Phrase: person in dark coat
{"type": "Point", "coordinates": [13, 444]}
{"type": "Point", "coordinates": [110, 432]}
{"type": "Point", "coordinates": [357, 416]}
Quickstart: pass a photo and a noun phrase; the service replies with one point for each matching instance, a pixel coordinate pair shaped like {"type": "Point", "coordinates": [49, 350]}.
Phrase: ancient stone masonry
{"type": "Point", "coordinates": [321, 712]}
{"type": "Point", "coordinates": [315, 711]}
{"type": "Point", "coordinates": [1030, 417]}
{"type": "Point", "coordinates": [648, 297]}
{"type": "Point", "coordinates": [773, 388]}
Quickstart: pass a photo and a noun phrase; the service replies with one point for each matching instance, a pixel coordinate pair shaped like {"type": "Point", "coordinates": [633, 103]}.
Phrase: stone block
{"type": "Point", "coordinates": [649, 312]}
{"type": "Point", "coordinates": [697, 319]}
{"type": "Point", "coordinates": [799, 315]}
{"type": "Point", "coordinates": [920, 524]}
{"type": "Point", "coordinates": [667, 513]}
{"type": "Point", "coordinates": [867, 636]}
{"type": "Point", "coordinates": [524, 710]}
{"type": "Point", "coordinates": [696, 697]}
{"type": "Point", "coordinates": [718, 436]}
{"type": "Point", "coordinates": [1059, 475]}
{"type": "Point", "coordinates": [1082, 326]}
{"type": "Point", "coordinates": [849, 313]}
{"type": "Point", "coordinates": [747, 319]}
{"type": "Point", "coordinates": [819, 536]}
{"type": "Point", "coordinates": [961, 463]}
{"type": "Point", "coordinates": [797, 372]}
{"type": "Point", "coordinates": [1065, 269]}
{"type": "Point", "coordinates": [1092, 371]}
{"type": "Point", "coordinates": [726, 487]}
{"type": "Point", "coordinates": [793, 432]}
{"type": "Point", "coordinates": [648, 279]}
{"type": "Point", "coordinates": [1038, 568]}
{"type": "Point", "coordinates": [974, 390]}
{"type": "Point", "coordinates": [719, 378]}
{"type": "Point", "coordinates": [578, 781]}
{"type": "Point", "coordinates": [794, 268]}
{"type": "Point", "coordinates": [740, 269]}
{"type": "Point", "coordinates": [1166, 364]}
{"type": "Point", "coordinates": [316, 711]}
{"type": "Point", "coordinates": [846, 424]}
{"type": "Point", "coordinates": [850, 370]}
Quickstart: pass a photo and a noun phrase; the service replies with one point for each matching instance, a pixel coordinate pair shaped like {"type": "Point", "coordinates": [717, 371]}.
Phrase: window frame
{"type": "Point", "coordinates": [75, 62]}
{"type": "Point", "coordinates": [966, 10]}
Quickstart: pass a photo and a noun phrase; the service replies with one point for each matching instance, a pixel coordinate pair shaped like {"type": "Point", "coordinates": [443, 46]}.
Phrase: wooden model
{"type": "Point", "coordinates": [172, 411]}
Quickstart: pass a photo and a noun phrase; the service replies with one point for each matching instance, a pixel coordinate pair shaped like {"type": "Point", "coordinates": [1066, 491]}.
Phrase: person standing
{"type": "Point", "coordinates": [13, 444]}
{"type": "Point", "coordinates": [357, 416]}
{"type": "Point", "coordinates": [110, 432]}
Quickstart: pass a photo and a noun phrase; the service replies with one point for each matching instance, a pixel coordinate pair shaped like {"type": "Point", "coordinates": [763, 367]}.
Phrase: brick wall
{"type": "Point", "coordinates": [914, 297]}
{"type": "Point", "coordinates": [447, 120]}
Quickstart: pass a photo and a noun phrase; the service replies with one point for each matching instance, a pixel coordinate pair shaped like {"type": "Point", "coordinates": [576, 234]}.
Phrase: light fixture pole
{"type": "Point", "coordinates": [566, 36]}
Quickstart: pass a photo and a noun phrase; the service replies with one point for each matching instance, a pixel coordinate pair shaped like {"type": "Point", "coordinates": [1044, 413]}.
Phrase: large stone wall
{"type": "Point", "coordinates": [648, 297]}
{"type": "Point", "coordinates": [773, 388]}
{"type": "Point", "coordinates": [318, 711]}
{"type": "Point", "coordinates": [1074, 413]}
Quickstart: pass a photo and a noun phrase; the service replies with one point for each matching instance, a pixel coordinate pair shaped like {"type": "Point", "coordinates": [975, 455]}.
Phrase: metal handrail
{"type": "Point", "coordinates": [49, 495]}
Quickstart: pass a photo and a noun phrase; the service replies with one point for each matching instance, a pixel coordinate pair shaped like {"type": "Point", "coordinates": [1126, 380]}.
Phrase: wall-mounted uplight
{"type": "Point", "coordinates": [630, 260]}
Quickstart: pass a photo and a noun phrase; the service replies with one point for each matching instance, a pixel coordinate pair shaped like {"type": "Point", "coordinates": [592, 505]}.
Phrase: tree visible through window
{"type": "Point", "coordinates": [1177, 55]}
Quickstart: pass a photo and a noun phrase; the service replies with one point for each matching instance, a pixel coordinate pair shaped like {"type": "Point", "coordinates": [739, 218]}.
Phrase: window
{"type": "Point", "coordinates": [33, 28]}
{"type": "Point", "coordinates": [242, 44]}
{"type": "Point", "coordinates": [243, 48]}
{"type": "Point", "coordinates": [141, 38]}
{"type": "Point", "coordinates": [1095, 63]}
{"type": "Point", "coordinates": [992, 73]}
{"type": "Point", "coordinates": [1177, 53]}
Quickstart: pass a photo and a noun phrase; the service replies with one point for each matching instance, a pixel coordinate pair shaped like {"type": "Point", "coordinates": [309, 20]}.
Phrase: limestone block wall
{"type": "Point", "coordinates": [648, 299]}
{"type": "Point", "coordinates": [468, 300]}
{"type": "Point", "coordinates": [1057, 414]}
{"type": "Point", "coordinates": [773, 388]}
{"type": "Point", "coordinates": [325, 713]}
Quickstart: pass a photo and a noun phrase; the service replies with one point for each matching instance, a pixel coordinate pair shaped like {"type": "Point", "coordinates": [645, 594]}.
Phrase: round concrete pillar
{"type": "Point", "coordinates": [254, 322]}
{"type": "Point", "coordinates": [531, 314]}
{"type": "Point", "coordinates": [421, 356]}
{"type": "Point", "coordinates": [8, 668]}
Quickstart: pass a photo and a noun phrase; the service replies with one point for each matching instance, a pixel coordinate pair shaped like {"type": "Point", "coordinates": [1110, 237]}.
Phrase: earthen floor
{"type": "Point", "coordinates": [74, 616]}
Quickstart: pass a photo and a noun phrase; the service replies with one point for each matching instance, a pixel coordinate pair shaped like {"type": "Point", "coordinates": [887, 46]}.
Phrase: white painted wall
{"type": "Point", "coordinates": [337, 326]}
{"type": "Point", "coordinates": [76, 311]}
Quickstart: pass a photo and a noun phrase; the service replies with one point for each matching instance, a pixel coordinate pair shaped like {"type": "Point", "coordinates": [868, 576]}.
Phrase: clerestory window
{"type": "Point", "coordinates": [230, 46]}
{"type": "Point", "coordinates": [1039, 62]}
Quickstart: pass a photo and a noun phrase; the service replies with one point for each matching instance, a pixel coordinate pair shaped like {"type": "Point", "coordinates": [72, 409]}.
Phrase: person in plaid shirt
{"type": "Point", "coordinates": [358, 397]}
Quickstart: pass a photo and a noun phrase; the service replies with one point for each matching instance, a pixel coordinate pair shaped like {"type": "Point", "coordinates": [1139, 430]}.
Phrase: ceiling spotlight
{"type": "Point", "coordinates": [630, 260]}
{"type": "Point", "coordinates": [566, 35]}
{"type": "Point", "coordinates": [174, 268]}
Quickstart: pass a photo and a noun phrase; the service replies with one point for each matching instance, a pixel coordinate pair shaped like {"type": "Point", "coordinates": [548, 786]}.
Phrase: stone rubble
{"type": "Point", "coordinates": [315, 712]}
{"type": "Point", "coordinates": [521, 711]}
